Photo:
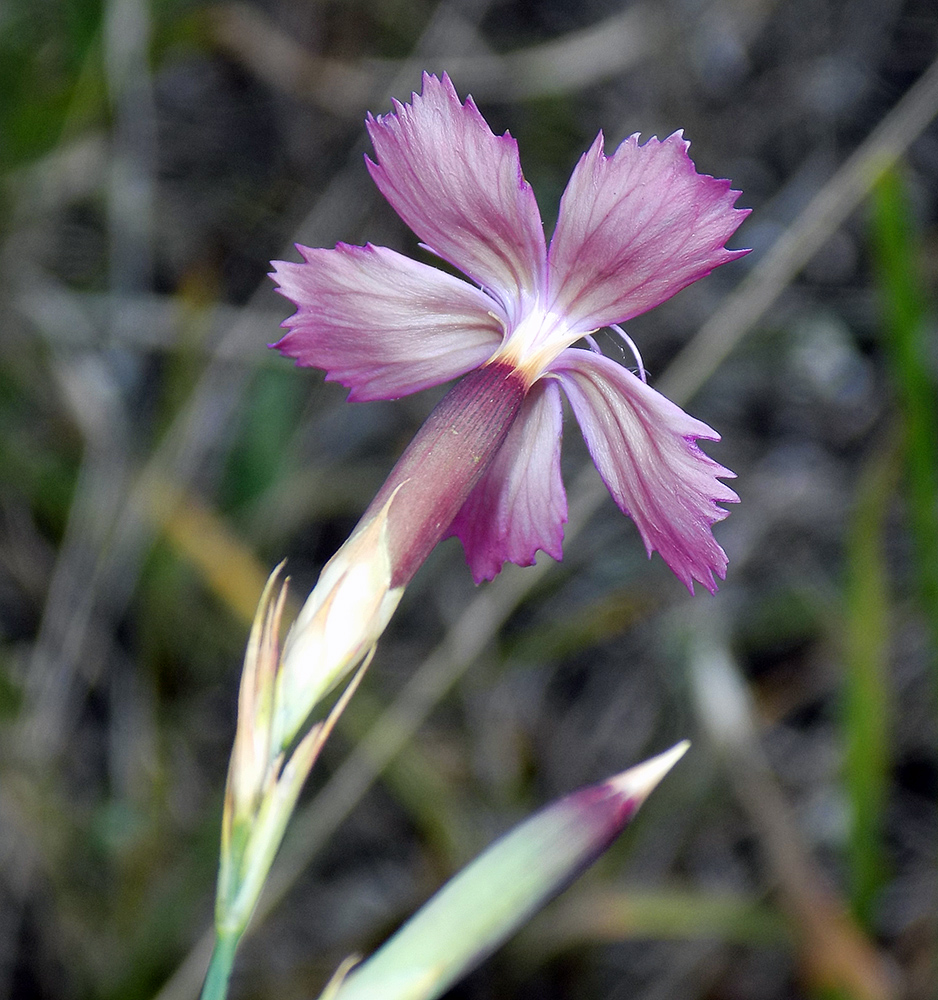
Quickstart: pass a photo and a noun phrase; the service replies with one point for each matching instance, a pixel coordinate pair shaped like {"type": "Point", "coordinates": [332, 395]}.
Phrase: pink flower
{"type": "Point", "coordinates": [633, 229]}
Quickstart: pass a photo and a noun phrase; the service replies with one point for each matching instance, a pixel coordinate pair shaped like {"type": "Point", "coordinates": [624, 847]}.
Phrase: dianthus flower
{"type": "Point", "coordinates": [633, 229]}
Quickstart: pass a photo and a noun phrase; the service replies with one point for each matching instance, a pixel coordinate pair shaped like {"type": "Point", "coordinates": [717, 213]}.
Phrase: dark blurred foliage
{"type": "Point", "coordinates": [156, 460]}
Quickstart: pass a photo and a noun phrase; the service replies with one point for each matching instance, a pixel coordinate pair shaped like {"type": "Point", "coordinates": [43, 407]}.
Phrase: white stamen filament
{"type": "Point", "coordinates": [633, 348]}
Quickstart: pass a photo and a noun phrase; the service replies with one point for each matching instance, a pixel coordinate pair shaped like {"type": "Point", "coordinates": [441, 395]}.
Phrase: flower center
{"type": "Point", "coordinates": [532, 345]}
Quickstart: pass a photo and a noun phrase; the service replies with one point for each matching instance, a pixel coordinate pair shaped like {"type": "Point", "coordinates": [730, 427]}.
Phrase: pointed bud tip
{"type": "Point", "coordinates": [638, 782]}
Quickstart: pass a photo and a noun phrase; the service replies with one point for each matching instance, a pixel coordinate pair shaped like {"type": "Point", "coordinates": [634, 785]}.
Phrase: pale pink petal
{"type": "Point", "coordinates": [634, 228]}
{"type": "Point", "coordinates": [382, 324]}
{"type": "Point", "coordinates": [460, 189]}
{"type": "Point", "coordinates": [645, 448]}
{"type": "Point", "coordinates": [519, 505]}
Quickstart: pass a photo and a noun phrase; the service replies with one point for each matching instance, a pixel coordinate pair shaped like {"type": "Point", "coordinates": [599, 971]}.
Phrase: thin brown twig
{"type": "Point", "coordinates": [576, 60]}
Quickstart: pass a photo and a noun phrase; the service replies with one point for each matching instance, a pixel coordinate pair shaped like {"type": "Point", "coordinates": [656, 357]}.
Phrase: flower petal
{"type": "Point", "coordinates": [382, 324]}
{"type": "Point", "coordinates": [645, 448]}
{"type": "Point", "coordinates": [635, 228]}
{"type": "Point", "coordinates": [519, 505]}
{"type": "Point", "coordinates": [460, 189]}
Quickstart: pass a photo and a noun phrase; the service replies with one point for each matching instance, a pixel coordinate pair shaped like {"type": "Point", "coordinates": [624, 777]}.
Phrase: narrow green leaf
{"type": "Point", "coordinates": [866, 707]}
{"type": "Point", "coordinates": [474, 912]}
{"type": "Point", "coordinates": [907, 335]}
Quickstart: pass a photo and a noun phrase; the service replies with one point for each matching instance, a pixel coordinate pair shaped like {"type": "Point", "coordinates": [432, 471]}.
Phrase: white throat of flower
{"type": "Point", "coordinates": [538, 338]}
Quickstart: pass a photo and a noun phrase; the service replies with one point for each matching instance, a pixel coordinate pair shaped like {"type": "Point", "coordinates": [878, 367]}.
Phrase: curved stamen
{"type": "Point", "coordinates": [591, 342]}
{"type": "Point", "coordinates": [633, 348]}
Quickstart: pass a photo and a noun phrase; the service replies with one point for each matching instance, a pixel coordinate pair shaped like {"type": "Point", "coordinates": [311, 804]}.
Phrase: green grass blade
{"type": "Point", "coordinates": [866, 707]}
{"type": "Point", "coordinates": [906, 333]}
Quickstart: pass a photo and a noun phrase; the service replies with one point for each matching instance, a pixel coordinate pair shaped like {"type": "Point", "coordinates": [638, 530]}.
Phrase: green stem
{"type": "Point", "coordinates": [219, 968]}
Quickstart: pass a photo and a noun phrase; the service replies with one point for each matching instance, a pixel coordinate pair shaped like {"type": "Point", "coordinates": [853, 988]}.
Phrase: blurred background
{"type": "Point", "coordinates": [157, 460]}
